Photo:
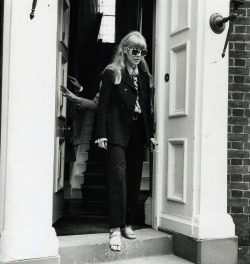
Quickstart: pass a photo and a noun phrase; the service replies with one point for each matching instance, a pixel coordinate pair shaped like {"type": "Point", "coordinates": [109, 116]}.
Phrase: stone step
{"type": "Point", "coordinates": [164, 259]}
{"type": "Point", "coordinates": [79, 249]}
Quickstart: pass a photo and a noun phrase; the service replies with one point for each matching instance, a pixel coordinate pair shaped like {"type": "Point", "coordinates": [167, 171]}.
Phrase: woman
{"type": "Point", "coordinates": [124, 127]}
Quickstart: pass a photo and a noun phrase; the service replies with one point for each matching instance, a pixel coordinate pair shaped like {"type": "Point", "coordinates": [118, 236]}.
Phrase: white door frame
{"type": "Point", "coordinates": [4, 110]}
{"type": "Point", "coordinates": [27, 139]}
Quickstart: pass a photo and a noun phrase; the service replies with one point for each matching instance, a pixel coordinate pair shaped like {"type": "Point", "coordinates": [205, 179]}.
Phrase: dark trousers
{"type": "Point", "coordinates": [124, 171]}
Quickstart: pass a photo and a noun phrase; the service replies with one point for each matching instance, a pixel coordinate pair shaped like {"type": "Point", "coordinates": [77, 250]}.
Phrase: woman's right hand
{"type": "Point", "coordinates": [74, 82]}
{"type": "Point", "coordinates": [102, 143]}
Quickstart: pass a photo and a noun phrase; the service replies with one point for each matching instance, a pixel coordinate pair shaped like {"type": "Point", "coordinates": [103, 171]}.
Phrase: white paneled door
{"type": "Point", "coordinates": [176, 50]}
{"type": "Point", "coordinates": [190, 171]}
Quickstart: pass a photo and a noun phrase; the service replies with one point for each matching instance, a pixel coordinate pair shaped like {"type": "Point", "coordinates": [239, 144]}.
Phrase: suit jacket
{"type": "Point", "coordinates": [87, 104]}
{"type": "Point", "coordinates": [116, 107]}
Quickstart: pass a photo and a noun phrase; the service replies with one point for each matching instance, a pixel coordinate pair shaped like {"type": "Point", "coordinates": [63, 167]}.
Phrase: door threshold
{"type": "Point", "coordinates": [86, 224]}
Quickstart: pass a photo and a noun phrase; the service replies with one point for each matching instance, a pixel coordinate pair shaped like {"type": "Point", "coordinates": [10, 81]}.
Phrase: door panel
{"type": "Point", "coordinates": [178, 90]}
{"type": "Point", "coordinates": [61, 106]}
{"type": "Point", "coordinates": [180, 15]}
{"type": "Point", "coordinates": [176, 55]}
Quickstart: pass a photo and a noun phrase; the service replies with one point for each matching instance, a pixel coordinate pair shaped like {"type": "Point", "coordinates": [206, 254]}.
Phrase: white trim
{"type": "Point", "coordinates": [28, 129]}
{"type": "Point", "coordinates": [173, 112]}
{"type": "Point", "coordinates": [64, 13]}
{"type": "Point", "coordinates": [61, 80]}
{"type": "Point", "coordinates": [59, 172]}
{"type": "Point", "coordinates": [174, 17]}
{"type": "Point", "coordinates": [5, 104]}
{"type": "Point", "coordinates": [171, 173]}
{"type": "Point", "coordinates": [198, 227]}
{"type": "Point", "coordinates": [160, 90]}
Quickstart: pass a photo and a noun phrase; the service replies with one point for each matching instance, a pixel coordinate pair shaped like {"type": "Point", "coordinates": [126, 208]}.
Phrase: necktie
{"type": "Point", "coordinates": [137, 104]}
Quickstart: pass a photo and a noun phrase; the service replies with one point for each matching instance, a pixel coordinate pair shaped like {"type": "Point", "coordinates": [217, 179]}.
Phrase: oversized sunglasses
{"type": "Point", "coordinates": [136, 52]}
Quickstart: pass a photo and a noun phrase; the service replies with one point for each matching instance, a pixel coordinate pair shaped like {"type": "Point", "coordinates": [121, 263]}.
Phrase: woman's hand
{"type": "Point", "coordinates": [75, 82]}
{"type": "Point", "coordinates": [102, 143]}
{"type": "Point", "coordinates": [154, 143]}
{"type": "Point", "coordinates": [69, 95]}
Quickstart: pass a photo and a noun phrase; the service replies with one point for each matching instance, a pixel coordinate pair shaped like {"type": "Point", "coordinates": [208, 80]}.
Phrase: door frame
{"type": "Point", "coordinates": [5, 9]}
{"type": "Point", "coordinates": [159, 121]}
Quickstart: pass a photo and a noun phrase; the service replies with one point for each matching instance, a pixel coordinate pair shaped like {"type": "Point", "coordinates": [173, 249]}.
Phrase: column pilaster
{"type": "Point", "coordinates": [29, 72]}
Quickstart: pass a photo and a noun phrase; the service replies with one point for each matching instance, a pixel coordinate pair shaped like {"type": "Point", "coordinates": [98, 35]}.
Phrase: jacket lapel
{"type": "Point", "coordinates": [127, 79]}
{"type": "Point", "coordinates": [141, 79]}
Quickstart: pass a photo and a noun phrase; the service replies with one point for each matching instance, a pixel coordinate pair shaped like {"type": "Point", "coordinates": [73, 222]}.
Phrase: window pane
{"type": "Point", "coordinates": [109, 39]}
{"type": "Point", "coordinates": [107, 2]}
{"type": "Point", "coordinates": [107, 29]}
{"type": "Point", "coordinates": [108, 20]}
{"type": "Point", "coordinates": [110, 2]}
{"type": "Point", "coordinates": [108, 10]}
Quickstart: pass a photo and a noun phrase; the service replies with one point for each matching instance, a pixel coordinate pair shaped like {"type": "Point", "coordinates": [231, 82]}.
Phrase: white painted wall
{"type": "Point", "coordinates": [210, 208]}
{"type": "Point", "coordinates": [29, 76]}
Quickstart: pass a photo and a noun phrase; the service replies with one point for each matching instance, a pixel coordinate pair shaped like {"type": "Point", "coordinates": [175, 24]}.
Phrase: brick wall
{"type": "Point", "coordinates": [239, 131]}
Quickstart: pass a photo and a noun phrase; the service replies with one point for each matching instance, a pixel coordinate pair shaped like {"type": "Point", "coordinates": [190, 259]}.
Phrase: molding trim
{"type": "Point", "coordinates": [179, 81]}
{"type": "Point", "coordinates": [177, 179]}
{"type": "Point", "coordinates": [175, 15]}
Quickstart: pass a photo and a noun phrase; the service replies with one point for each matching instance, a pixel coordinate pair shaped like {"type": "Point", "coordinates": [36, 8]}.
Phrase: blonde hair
{"type": "Point", "coordinates": [132, 40]}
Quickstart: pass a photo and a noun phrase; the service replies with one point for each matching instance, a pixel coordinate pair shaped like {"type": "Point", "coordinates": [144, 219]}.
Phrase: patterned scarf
{"type": "Point", "coordinates": [134, 75]}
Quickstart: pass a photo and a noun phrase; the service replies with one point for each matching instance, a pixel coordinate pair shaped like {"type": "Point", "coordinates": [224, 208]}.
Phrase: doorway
{"type": "Point", "coordinates": [90, 49]}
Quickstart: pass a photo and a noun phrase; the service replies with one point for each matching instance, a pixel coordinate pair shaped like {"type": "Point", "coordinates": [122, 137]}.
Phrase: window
{"type": "Point", "coordinates": [107, 28]}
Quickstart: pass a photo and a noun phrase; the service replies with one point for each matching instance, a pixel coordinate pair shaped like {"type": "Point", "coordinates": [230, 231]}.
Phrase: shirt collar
{"type": "Point", "coordinates": [132, 71]}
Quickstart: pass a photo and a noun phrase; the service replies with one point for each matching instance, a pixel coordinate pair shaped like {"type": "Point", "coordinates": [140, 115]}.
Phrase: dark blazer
{"type": "Point", "coordinates": [116, 107]}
